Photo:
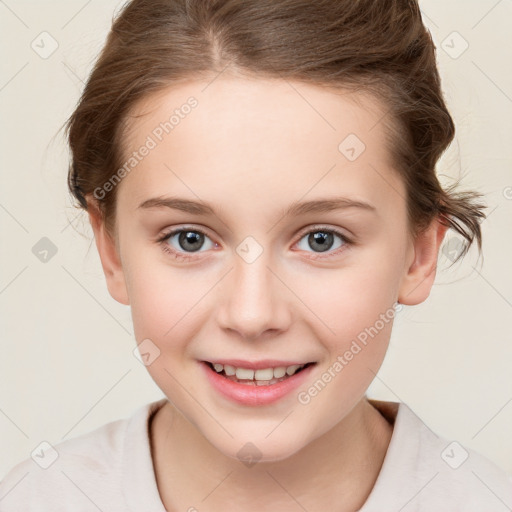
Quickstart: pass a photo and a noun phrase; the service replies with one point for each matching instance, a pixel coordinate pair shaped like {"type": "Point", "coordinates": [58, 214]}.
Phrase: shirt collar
{"type": "Point", "coordinates": [399, 472]}
{"type": "Point", "coordinates": [138, 475]}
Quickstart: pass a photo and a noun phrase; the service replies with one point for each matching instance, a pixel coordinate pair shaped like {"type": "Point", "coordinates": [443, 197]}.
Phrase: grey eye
{"type": "Point", "coordinates": [188, 240]}
{"type": "Point", "coordinates": [321, 240]}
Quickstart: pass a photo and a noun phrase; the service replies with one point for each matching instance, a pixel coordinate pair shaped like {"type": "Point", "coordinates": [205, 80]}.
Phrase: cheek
{"type": "Point", "coordinates": [348, 299]}
{"type": "Point", "coordinates": [167, 300]}
{"type": "Point", "coordinates": [354, 309]}
{"type": "Point", "coordinates": [163, 300]}
{"type": "Point", "coordinates": [357, 309]}
{"type": "Point", "coordinates": [167, 309]}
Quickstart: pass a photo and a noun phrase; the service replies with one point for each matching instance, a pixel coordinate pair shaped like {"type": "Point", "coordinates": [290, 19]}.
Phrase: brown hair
{"type": "Point", "coordinates": [355, 45]}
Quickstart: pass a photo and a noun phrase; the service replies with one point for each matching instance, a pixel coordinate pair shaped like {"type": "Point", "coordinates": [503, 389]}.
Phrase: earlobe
{"type": "Point", "coordinates": [420, 275]}
{"type": "Point", "coordinates": [109, 256]}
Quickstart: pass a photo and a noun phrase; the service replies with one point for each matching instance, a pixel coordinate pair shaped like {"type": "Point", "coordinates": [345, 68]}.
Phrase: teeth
{"type": "Point", "coordinates": [228, 370]}
{"type": "Point", "coordinates": [279, 372]}
{"type": "Point", "coordinates": [262, 376]}
{"type": "Point", "coordinates": [244, 373]}
{"type": "Point", "coordinates": [266, 374]}
{"type": "Point", "coordinates": [292, 369]}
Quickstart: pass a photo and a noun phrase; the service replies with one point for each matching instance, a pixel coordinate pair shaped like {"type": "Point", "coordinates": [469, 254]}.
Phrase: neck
{"type": "Point", "coordinates": [339, 467]}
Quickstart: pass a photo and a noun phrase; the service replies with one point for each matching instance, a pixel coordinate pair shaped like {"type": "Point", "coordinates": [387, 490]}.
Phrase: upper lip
{"type": "Point", "coordinates": [257, 365]}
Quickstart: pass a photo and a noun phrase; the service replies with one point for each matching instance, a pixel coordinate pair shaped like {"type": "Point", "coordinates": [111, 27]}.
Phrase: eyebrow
{"type": "Point", "coordinates": [297, 208]}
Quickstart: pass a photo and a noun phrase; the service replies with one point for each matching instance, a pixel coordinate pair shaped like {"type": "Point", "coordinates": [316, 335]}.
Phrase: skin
{"type": "Point", "coordinates": [251, 148]}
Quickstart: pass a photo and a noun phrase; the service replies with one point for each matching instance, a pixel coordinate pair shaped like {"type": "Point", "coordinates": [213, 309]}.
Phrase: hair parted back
{"type": "Point", "coordinates": [378, 47]}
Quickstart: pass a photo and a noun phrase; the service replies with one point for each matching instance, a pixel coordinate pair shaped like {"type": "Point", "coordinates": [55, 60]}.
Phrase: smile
{"type": "Point", "coordinates": [260, 377]}
{"type": "Point", "coordinates": [251, 386]}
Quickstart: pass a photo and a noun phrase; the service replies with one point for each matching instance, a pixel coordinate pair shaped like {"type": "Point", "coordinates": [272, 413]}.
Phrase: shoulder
{"type": "Point", "coordinates": [423, 471]}
{"type": "Point", "coordinates": [463, 477]}
{"type": "Point", "coordinates": [84, 471]}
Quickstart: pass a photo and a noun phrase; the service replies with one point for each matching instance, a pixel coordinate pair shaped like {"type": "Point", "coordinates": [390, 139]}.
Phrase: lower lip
{"type": "Point", "coordinates": [249, 394]}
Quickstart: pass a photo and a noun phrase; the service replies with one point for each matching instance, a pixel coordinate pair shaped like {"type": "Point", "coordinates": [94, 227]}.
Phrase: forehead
{"type": "Point", "coordinates": [273, 139]}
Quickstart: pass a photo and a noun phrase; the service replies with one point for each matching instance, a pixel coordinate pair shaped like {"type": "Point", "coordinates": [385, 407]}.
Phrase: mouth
{"type": "Point", "coordinates": [257, 377]}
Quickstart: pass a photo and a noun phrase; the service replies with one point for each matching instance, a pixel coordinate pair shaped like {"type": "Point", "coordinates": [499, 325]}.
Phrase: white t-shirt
{"type": "Point", "coordinates": [110, 470]}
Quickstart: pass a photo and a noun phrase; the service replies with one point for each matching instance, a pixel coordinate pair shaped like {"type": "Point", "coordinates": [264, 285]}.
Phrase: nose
{"type": "Point", "coordinates": [253, 301]}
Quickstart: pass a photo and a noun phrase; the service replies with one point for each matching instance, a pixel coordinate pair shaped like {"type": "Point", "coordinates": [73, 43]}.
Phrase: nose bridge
{"type": "Point", "coordinates": [253, 302]}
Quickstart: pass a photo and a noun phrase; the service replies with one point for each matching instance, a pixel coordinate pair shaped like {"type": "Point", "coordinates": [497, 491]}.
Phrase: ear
{"type": "Point", "coordinates": [109, 255]}
{"type": "Point", "coordinates": [421, 273]}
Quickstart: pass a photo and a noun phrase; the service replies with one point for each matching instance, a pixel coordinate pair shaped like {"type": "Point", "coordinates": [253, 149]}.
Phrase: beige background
{"type": "Point", "coordinates": [67, 363]}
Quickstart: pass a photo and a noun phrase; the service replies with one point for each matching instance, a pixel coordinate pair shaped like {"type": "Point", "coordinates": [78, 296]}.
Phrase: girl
{"type": "Point", "coordinates": [293, 145]}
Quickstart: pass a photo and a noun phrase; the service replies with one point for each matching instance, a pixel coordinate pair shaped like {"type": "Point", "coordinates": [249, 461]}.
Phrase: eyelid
{"type": "Point", "coordinates": [323, 227]}
{"type": "Point", "coordinates": [167, 234]}
{"type": "Point", "coordinates": [311, 228]}
{"type": "Point", "coordinates": [318, 256]}
{"type": "Point", "coordinates": [172, 231]}
{"type": "Point", "coordinates": [347, 241]}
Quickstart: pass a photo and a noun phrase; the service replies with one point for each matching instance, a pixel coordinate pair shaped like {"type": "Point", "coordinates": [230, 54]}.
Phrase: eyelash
{"type": "Point", "coordinates": [315, 229]}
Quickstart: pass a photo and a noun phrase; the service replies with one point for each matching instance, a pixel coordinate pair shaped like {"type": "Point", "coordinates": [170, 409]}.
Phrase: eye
{"type": "Point", "coordinates": [184, 241]}
{"type": "Point", "coordinates": [323, 239]}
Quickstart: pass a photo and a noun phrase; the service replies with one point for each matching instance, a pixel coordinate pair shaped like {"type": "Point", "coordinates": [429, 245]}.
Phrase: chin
{"type": "Point", "coordinates": [257, 449]}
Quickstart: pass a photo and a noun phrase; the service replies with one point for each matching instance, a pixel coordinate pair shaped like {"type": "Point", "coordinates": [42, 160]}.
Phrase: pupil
{"type": "Point", "coordinates": [325, 240]}
{"type": "Point", "coordinates": [191, 237]}
{"type": "Point", "coordinates": [322, 239]}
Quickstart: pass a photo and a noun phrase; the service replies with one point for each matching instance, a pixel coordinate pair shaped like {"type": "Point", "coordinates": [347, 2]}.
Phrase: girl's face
{"type": "Point", "coordinates": [252, 282]}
